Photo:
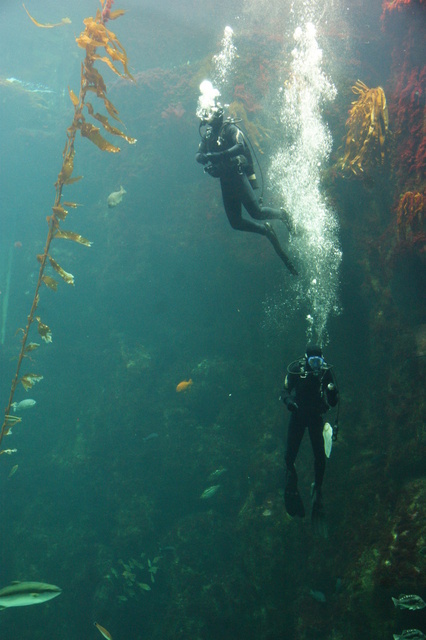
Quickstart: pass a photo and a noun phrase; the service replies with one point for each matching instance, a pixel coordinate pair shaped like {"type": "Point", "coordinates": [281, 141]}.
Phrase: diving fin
{"type": "Point", "coordinates": [294, 504]}
{"type": "Point", "coordinates": [287, 220]}
{"type": "Point", "coordinates": [273, 239]}
{"type": "Point", "coordinates": [292, 500]}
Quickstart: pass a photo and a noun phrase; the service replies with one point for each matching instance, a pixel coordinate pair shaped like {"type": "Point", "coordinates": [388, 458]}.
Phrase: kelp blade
{"type": "Point", "coordinates": [92, 132]}
{"type": "Point", "coordinates": [29, 380]}
{"type": "Point", "coordinates": [50, 282]}
{"type": "Point", "coordinates": [67, 277]}
{"type": "Point", "coordinates": [75, 237]}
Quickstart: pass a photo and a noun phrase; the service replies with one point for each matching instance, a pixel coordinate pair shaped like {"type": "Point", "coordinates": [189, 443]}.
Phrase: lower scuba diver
{"type": "Point", "coordinates": [225, 154]}
{"type": "Point", "coordinates": [310, 389]}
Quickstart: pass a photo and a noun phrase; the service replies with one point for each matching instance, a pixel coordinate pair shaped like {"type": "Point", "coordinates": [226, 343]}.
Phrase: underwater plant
{"type": "Point", "coordinates": [410, 217]}
{"type": "Point", "coordinates": [95, 36]}
{"type": "Point", "coordinates": [368, 125]}
{"type": "Point", "coordinates": [388, 6]}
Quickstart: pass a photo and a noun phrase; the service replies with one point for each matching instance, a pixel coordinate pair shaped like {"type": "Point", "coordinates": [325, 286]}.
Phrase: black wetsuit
{"type": "Point", "coordinates": [311, 393]}
{"type": "Point", "coordinates": [236, 173]}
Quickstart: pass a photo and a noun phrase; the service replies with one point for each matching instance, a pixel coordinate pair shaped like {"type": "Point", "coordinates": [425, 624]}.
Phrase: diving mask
{"type": "Point", "coordinates": [216, 114]}
{"type": "Point", "coordinates": [315, 363]}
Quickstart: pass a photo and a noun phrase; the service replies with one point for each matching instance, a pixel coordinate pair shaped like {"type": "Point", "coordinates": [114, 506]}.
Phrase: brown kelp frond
{"type": "Point", "coordinates": [50, 282]}
{"type": "Point", "coordinates": [30, 379]}
{"type": "Point", "coordinates": [66, 277]}
{"type": "Point", "coordinates": [44, 330]}
{"type": "Point", "coordinates": [90, 131]}
{"type": "Point", "coordinates": [31, 346]}
{"type": "Point", "coordinates": [95, 36]}
{"type": "Point", "coordinates": [75, 237]}
{"type": "Point", "coordinates": [368, 126]}
{"type": "Point", "coordinates": [47, 25]}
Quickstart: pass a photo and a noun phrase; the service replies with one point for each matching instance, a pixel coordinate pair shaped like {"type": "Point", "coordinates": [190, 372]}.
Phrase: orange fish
{"type": "Point", "coordinates": [106, 634]}
{"type": "Point", "coordinates": [184, 385]}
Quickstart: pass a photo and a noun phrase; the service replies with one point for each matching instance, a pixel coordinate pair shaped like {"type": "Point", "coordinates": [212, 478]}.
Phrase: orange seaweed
{"type": "Point", "coordinates": [47, 25]}
{"type": "Point", "coordinates": [95, 35]}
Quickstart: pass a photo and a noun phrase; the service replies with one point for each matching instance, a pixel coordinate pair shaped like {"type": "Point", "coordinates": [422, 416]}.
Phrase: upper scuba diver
{"type": "Point", "coordinates": [310, 389]}
{"type": "Point", "coordinates": [225, 154]}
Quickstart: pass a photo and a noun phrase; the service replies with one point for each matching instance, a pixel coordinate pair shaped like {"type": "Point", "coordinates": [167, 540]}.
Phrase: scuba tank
{"type": "Point", "coordinates": [244, 162]}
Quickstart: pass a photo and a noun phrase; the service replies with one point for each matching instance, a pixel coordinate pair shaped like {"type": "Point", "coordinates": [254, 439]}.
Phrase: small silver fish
{"type": "Point", "coordinates": [409, 634]}
{"type": "Point", "coordinates": [209, 492]}
{"type": "Point", "coordinates": [217, 473]}
{"type": "Point", "coordinates": [24, 404]}
{"type": "Point", "coordinates": [411, 602]}
{"type": "Point", "coordinates": [21, 594]}
{"type": "Point", "coordinates": [115, 197]}
{"type": "Point", "coordinates": [150, 436]}
{"type": "Point", "coordinates": [13, 470]}
{"type": "Point", "coordinates": [318, 596]}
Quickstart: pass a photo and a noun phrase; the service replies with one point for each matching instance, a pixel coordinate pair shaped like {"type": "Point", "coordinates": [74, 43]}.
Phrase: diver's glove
{"type": "Point", "coordinates": [215, 157]}
{"type": "Point", "coordinates": [201, 158]}
{"type": "Point", "coordinates": [213, 170]}
{"type": "Point", "coordinates": [292, 406]}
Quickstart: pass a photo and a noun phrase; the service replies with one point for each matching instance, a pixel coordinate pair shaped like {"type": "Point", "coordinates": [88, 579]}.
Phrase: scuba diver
{"type": "Point", "coordinates": [225, 154]}
{"type": "Point", "coordinates": [310, 389]}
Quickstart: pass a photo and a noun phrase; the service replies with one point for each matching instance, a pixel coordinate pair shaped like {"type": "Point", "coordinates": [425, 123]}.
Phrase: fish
{"type": "Point", "coordinates": [115, 197]}
{"type": "Point", "coordinates": [410, 602]}
{"type": "Point", "coordinates": [216, 474]}
{"type": "Point", "coordinates": [318, 596]}
{"type": "Point", "coordinates": [409, 634]}
{"type": "Point", "coordinates": [184, 385]}
{"type": "Point", "coordinates": [150, 436]}
{"type": "Point", "coordinates": [21, 594]}
{"type": "Point", "coordinates": [24, 404]}
{"type": "Point", "coordinates": [103, 631]}
{"type": "Point", "coordinates": [13, 470]}
{"type": "Point", "coordinates": [168, 548]}
{"type": "Point", "coordinates": [209, 492]}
